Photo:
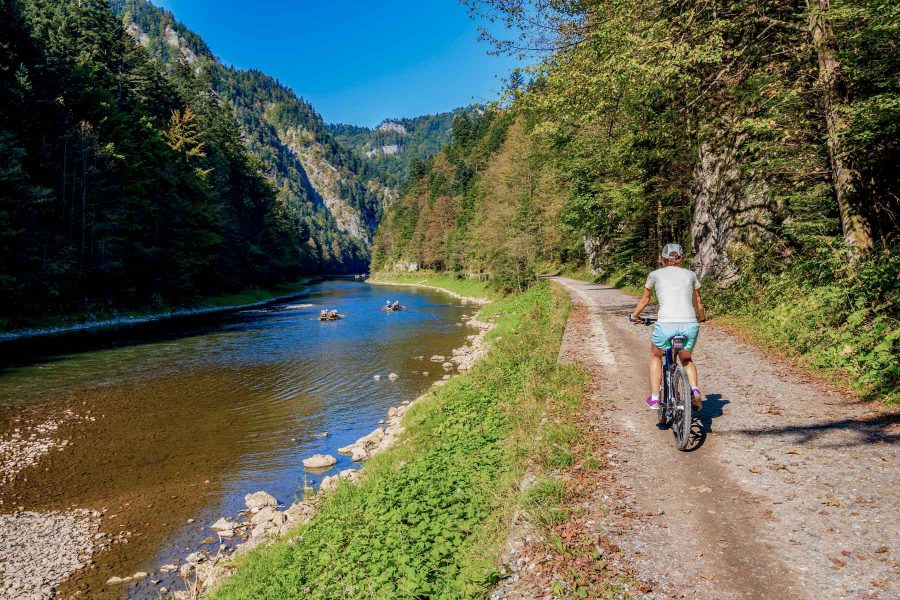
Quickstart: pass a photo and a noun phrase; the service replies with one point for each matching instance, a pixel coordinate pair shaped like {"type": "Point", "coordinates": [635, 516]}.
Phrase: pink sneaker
{"type": "Point", "coordinates": [651, 403]}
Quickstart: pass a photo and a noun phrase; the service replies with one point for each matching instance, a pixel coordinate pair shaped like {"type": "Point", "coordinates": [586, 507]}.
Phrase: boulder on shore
{"type": "Point", "coordinates": [319, 461]}
{"type": "Point", "coordinates": [259, 500]}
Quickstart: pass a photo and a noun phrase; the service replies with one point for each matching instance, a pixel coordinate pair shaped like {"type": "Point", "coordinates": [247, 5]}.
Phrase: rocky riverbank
{"type": "Point", "coordinates": [41, 550]}
{"type": "Point", "coordinates": [263, 521]}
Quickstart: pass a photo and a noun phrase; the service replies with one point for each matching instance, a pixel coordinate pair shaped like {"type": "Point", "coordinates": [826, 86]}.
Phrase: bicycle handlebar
{"type": "Point", "coordinates": [643, 320]}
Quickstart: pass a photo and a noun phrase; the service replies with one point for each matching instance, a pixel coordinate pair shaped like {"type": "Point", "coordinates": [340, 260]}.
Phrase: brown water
{"type": "Point", "coordinates": [186, 425]}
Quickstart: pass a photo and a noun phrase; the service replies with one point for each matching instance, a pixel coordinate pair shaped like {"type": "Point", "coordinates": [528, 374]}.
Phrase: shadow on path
{"type": "Point", "coordinates": [873, 430]}
{"type": "Point", "coordinates": [701, 424]}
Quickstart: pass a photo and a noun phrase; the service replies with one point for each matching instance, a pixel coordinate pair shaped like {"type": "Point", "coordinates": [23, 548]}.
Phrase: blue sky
{"type": "Point", "coordinates": [357, 61]}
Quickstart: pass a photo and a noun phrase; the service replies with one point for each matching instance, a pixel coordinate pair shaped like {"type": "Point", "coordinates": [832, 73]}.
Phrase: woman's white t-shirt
{"type": "Point", "coordinates": [675, 291]}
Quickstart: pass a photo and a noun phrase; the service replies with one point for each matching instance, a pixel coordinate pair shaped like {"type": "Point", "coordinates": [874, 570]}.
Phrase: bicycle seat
{"type": "Point", "coordinates": [678, 342]}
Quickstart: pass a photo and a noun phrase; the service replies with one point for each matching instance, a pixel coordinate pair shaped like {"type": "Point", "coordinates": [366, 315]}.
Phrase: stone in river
{"type": "Point", "coordinates": [114, 581]}
{"type": "Point", "coordinates": [392, 412]}
{"type": "Point", "coordinates": [346, 449]}
{"type": "Point", "coordinates": [139, 575]}
{"type": "Point", "coordinates": [393, 377]}
{"type": "Point", "coordinates": [319, 461]}
{"type": "Point", "coordinates": [168, 568]}
{"type": "Point", "coordinates": [221, 525]}
{"type": "Point", "coordinates": [438, 358]}
{"type": "Point", "coordinates": [359, 454]}
{"type": "Point", "coordinates": [377, 377]}
{"type": "Point", "coordinates": [259, 500]}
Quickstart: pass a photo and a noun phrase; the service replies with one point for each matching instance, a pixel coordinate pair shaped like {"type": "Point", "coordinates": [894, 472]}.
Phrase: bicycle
{"type": "Point", "coordinates": [674, 409]}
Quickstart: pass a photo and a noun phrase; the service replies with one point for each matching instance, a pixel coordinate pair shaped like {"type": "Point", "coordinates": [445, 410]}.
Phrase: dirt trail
{"type": "Point", "coordinates": [793, 491]}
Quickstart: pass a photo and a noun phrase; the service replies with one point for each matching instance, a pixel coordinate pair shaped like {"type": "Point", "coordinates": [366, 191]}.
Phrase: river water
{"type": "Point", "coordinates": [163, 431]}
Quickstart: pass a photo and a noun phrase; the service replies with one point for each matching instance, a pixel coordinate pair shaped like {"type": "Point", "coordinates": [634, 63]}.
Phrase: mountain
{"type": "Point", "coordinates": [397, 146]}
{"type": "Point", "coordinates": [331, 190]}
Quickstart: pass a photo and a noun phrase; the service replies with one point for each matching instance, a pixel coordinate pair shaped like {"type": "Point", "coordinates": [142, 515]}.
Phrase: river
{"type": "Point", "coordinates": [167, 434]}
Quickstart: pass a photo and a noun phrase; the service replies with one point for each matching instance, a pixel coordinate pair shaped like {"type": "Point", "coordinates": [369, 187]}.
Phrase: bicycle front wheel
{"type": "Point", "coordinates": [681, 413]}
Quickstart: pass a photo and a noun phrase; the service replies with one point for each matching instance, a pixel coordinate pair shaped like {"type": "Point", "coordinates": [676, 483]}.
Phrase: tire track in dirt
{"type": "Point", "coordinates": [792, 492]}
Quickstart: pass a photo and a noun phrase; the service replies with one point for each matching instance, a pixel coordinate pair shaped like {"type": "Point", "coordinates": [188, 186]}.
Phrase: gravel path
{"type": "Point", "coordinates": [791, 491]}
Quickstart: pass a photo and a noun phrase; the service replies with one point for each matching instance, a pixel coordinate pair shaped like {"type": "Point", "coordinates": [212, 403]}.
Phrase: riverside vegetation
{"type": "Point", "coordinates": [760, 135]}
{"type": "Point", "coordinates": [430, 514]}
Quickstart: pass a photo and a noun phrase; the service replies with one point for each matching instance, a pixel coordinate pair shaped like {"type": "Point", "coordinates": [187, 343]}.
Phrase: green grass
{"type": "Point", "coordinates": [429, 516]}
{"type": "Point", "coordinates": [253, 295]}
{"type": "Point", "coordinates": [448, 281]}
{"type": "Point", "coordinates": [249, 296]}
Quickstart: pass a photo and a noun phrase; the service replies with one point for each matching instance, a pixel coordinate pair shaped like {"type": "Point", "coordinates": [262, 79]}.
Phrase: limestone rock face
{"type": "Point", "coordinates": [732, 209]}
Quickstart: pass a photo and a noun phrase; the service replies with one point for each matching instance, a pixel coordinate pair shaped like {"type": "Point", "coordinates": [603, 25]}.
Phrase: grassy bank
{"type": "Point", "coordinates": [429, 517]}
{"type": "Point", "coordinates": [828, 315]}
{"type": "Point", "coordinates": [110, 318]}
{"type": "Point", "coordinates": [448, 281]}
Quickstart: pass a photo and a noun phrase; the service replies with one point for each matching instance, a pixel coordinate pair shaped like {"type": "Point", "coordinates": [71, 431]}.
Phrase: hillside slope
{"type": "Point", "coordinates": [397, 147]}
{"type": "Point", "coordinates": [327, 188]}
{"type": "Point", "coordinates": [717, 127]}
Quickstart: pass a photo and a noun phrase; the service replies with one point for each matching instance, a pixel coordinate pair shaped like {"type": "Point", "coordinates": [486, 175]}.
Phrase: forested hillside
{"type": "Point", "coordinates": [324, 185]}
{"type": "Point", "coordinates": [761, 135]}
{"type": "Point", "coordinates": [138, 172]}
{"type": "Point", "coordinates": [122, 186]}
{"type": "Point", "coordinates": [398, 147]}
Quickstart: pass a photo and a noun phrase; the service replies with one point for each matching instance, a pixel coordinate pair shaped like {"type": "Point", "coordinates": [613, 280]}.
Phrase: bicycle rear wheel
{"type": "Point", "coordinates": [681, 405]}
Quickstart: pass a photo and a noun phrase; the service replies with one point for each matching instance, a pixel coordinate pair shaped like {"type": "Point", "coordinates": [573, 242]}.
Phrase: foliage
{"type": "Point", "coordinates": [125, 187]}
{"type": "Point", "coordinates": [427, 518]}
{"type": "Point", "coordinates": [632, 111]}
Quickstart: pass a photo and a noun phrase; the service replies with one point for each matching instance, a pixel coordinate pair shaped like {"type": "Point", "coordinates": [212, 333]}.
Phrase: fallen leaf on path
{"type": "Point", "coordinates": [755, 470]}
{"type": "Point", "coordinates": [704, 489]}
{"type": "Point", "coordinates": [777, 468]}
{"type": "Point", "coordinates": [839, 562]}
{"type": "Point", "coordinates": [831, 502]}
{"type": "Point", "coordinates": [882, 550]}
{"type": "Point", "coordinates": [707, 576]}
{"type": "Point", "coordinates": [793, 451]}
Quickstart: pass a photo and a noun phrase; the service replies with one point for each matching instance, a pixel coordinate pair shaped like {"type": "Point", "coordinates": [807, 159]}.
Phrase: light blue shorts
{"type": "Point", "coordinates": [664, 332]}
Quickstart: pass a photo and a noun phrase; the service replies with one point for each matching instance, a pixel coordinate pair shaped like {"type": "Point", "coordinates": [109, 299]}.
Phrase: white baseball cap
{"type": "Point", "coordinates": [670, 249]}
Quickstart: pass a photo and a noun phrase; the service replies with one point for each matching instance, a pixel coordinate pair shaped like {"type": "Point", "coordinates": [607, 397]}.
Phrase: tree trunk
{"type": "Point", "coordinates": [847, 185]}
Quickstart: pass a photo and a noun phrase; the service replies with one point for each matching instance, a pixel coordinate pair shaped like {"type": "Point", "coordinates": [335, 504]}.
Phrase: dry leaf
{"type": "Point", "coordinates": [777, 468]}
{"type": "Point", "coordinates": [704, 490]}
{"type": "Point", "coordinates": [838, 562]}
{"type": "Point", "coordinates": [755, 470]}
{"type": "Point", "coordinates": [793, 451]}
{"type": "Point", "coordinates": [707, 576]}
{"type": "Point", "coordinates": [831, 502]}
{"type": "Point", "coordinates": [881, 550]}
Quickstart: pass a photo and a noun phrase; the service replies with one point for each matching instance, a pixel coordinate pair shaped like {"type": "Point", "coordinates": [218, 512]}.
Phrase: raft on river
{"type": "Point", "coordinates": [393, 308]}
{"type": "Point", "coordinates": [331, 317]}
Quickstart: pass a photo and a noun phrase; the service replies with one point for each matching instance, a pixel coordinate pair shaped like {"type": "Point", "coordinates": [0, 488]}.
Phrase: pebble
{"type": "Point", "coordinates": [40, 550]}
